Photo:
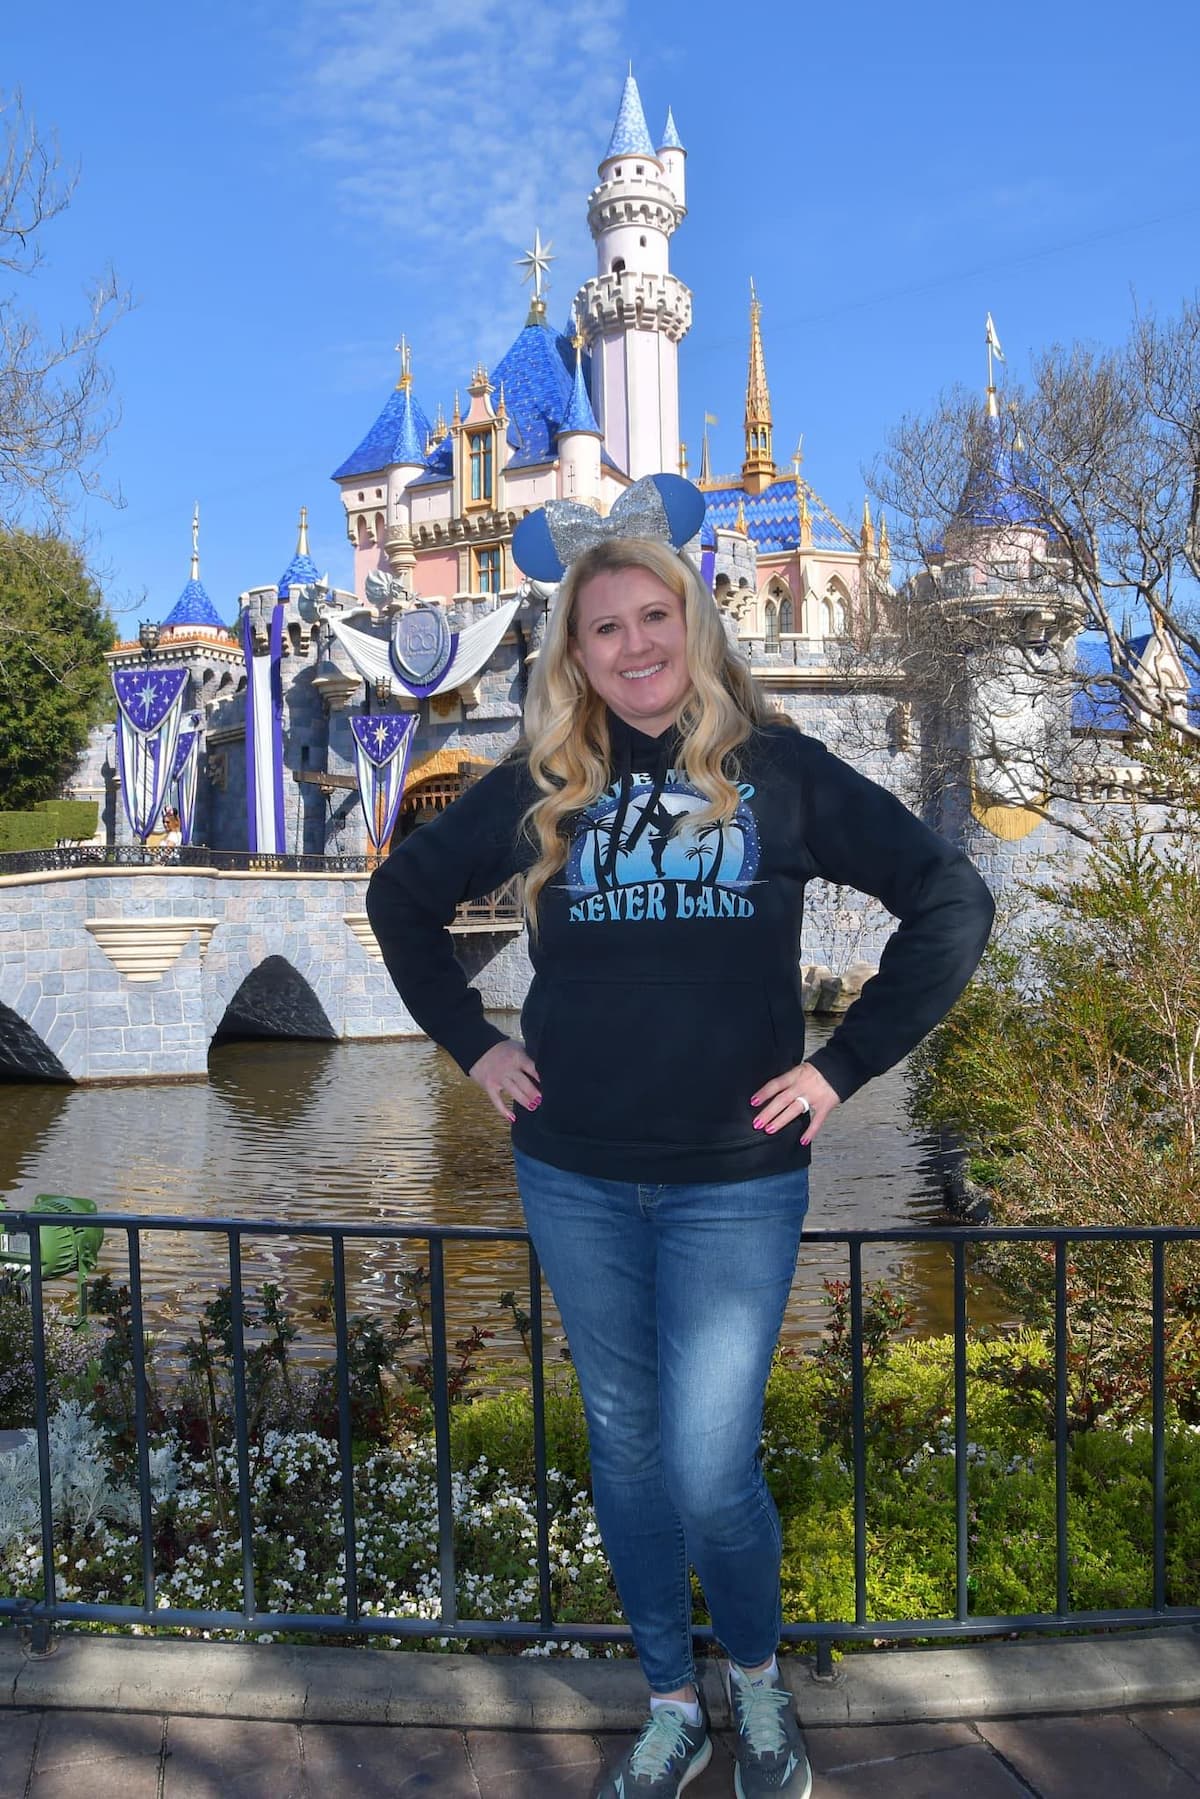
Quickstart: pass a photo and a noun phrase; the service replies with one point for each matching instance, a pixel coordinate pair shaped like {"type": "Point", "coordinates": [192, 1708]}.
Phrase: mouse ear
{"type": "Point", "coordinates": [683, 504]}
{"type": "Point", "coordinates": [533, 548]}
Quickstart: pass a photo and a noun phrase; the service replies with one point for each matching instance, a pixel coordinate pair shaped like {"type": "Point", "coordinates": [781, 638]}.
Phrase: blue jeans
{"type": "Point", "coordinates": [672, 1298]}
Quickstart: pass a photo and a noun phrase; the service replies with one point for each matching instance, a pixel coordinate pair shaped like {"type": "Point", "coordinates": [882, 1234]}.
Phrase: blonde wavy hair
{"type": "Point", "coordinates": [566, 723]}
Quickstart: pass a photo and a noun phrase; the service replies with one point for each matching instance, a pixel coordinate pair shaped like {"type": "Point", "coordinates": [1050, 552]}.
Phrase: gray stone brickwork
{"type": "Point", "coordinates": [280, 959]}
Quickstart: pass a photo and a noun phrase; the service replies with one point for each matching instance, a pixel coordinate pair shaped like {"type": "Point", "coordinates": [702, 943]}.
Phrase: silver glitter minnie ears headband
{"type": "Point", "coordinates": [664, 508]}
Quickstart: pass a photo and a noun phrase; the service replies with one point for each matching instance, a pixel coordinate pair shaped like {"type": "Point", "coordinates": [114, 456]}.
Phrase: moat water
{"type": "Point", "coordinates": [391, 1132]}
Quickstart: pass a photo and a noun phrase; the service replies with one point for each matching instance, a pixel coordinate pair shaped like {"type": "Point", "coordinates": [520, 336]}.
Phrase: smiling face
{"type": "Point", "coordinates": [630, 640]}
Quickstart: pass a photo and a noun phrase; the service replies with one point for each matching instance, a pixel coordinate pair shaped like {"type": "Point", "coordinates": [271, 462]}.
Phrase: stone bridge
{"type": "Point", "coordinates": [130, 974]}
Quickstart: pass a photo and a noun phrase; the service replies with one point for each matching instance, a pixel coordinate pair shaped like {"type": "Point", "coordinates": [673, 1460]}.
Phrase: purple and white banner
{"type": "Point", "coordinates": [149, 713]}
{"type": "Point", "coordinates": [264, 737]}
{"type": "Point", "coordinates": [187, 768]}
{"type": "Point", "coordinates": [381, 750]}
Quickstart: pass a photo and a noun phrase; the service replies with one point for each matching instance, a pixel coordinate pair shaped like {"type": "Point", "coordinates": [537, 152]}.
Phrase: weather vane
{"type": "Point", "coordinates": [536, 264]}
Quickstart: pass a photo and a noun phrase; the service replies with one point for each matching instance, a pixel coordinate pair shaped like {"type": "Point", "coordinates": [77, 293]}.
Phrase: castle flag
{"type": "Point", "coordinates": [149, 712]}
{"type": "Point", "coordinates": [264, 737]}
{"type": "Point", "coordinates": [381, 751]}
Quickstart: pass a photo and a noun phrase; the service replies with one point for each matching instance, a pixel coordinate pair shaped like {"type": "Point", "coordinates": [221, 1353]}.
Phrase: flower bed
{"type": "Point", "coordinates": [295, 1492]}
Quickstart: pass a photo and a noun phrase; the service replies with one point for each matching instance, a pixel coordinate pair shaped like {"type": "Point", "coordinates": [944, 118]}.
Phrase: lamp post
{"type": "Point", "coordinates": [383, 690]}
{"type": "Point", "coordinates": [148, 637]}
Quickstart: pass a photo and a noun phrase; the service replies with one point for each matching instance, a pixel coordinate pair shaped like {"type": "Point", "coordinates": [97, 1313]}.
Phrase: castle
{"type": "Point", "coordinates": [430, 509]}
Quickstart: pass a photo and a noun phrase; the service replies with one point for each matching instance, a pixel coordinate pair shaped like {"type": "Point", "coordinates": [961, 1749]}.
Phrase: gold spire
{"type": "Point", "coordinates": [302, 540]}
{"type": "Point", "coordinates": [739, 523]}
{"type": "Point", "coordinates": [805, 521]}
{"type": "Point", "coordinates": [578, 340]}
{"type": "Point", "coordinates": [683, 460]}
{"type": "Point", "coordinates": [196, 542]}
{"type": "Point", "coordinates": [758, 469]}
{"type": "Point", "coordinates": [456, 417]}
{"type": "Point", "coordinates": [867, 535]}
{"type": "Point", "coordinates": [885, 546]}
{"type": "Point", "coordinates": [501, 409]}
{"type": "Point", "coordinates": [405, 381]}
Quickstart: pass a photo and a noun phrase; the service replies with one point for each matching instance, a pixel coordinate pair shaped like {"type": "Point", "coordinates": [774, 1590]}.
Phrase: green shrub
{"type": "Point", "coordinates": [73, 821]}
{"type": "Point", "coordinates": [25, 831]}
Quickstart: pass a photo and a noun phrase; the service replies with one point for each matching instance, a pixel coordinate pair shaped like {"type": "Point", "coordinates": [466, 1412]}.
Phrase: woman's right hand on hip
{"type": "Point", "coordinates": [507, 1069]}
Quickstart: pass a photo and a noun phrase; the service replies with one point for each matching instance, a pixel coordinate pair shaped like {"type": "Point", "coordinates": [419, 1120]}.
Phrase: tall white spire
{"type": "Point", "coordinates": [634, 311]}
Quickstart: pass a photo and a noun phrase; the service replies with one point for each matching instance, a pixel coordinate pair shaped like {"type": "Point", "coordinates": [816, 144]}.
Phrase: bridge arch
{"type": "Point", "coordinates": [24, 1056]}
{"type": "Point", "coordinates": [274, 1000]}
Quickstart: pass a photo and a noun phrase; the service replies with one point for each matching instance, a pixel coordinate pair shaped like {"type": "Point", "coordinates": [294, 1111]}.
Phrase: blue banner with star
{"type": "Point", "coordinates": [149, 714]}
{"type": "Point", "coordinates": [382, 745]}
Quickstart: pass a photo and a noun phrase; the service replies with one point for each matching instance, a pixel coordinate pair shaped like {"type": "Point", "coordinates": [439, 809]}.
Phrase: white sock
{"type": "Point", "coordinates": [767, 1678]}
{"type": "Point", "coordinates": [689, 1708]}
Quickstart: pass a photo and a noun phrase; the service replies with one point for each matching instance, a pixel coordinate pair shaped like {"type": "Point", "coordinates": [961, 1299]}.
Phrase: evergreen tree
{"type": "Point", "coordinates": [54, 683]}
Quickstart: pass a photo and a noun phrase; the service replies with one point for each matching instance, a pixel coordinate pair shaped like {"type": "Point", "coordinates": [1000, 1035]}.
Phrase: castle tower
{"type": "Point", "coordinates": [634, 311]}
{"type": "Point", "coordinates": [758, 468]}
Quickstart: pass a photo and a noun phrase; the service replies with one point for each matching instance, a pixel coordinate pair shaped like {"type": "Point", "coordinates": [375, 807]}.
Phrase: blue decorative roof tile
{"type": "Point", "coordinates": [772, 518]}
{"type": "Point", "coordinates": [670, 137]}
{"type": "Point", "coordinates": [193, 607]}
{"type": "Point", "coordinates": [630, 134]}
{"type": "Point", "coordinates": [399, 435]}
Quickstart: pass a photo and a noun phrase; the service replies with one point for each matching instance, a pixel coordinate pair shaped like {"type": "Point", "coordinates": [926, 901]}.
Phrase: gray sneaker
{"type": "Point", "coordinates": [667, 1757]}
{"type": "Point", "coordinates": [769, 1747]}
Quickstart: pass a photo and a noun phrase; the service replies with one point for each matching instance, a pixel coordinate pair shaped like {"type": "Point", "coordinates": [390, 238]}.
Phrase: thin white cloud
{"type": "Point", "coordinates": [452, 131]}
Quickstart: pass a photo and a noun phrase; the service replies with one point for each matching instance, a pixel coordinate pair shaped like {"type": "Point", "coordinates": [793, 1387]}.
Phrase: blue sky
{"type": "Point", "coordinates": [286, 189]}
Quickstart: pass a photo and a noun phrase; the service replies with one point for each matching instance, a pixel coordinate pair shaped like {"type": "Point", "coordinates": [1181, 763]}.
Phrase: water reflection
{"type": "Point", "coordinates": [390, 1131]}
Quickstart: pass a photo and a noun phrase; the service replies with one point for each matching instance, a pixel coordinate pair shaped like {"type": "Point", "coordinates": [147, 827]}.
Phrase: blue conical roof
{"type": "Point", "coordinates": [301, 571]}
{"type": "Point", "coordinates": [630, 134]}
{"type": "Point", "coordinates": [399, 435]}
{"type": "Point", "coordinates": [193, 607]}
{"type": "Point", "coordinates": [1001, 488]}
{"type": "Point", "coordinates": [671, 139]}
{"type": "Point", "coordinates": [579, 415]}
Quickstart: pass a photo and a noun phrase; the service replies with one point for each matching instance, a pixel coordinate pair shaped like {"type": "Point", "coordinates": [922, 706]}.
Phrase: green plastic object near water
{"type": "Point", "coordinates": [66, 1248]}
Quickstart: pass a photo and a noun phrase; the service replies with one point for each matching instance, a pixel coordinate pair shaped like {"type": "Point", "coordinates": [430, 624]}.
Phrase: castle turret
{"type": "Point", "coordinates": [673, 158]}
{"type": "Point", "coordinates": [634, 310]}
{"type": "Point", "coordinates": [374, 478]}
{"type": "Point", "coordinates": [579, 440]}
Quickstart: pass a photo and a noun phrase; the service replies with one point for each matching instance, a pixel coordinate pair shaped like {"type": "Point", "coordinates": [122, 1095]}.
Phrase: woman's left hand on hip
{"type": "Point", "coordinates": [782, 1100]}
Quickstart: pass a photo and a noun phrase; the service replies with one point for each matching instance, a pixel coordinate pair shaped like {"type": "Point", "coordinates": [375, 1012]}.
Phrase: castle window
{"type": "Point", "coordinates": [481, 466]}
{"type": "Point", "coordinates": [641, 168]}
{"type": "Point", "coordinates": [379, 493]}
{"type": "Point", "coordinates": [618, 267]}
{"type": "Point", "coordinates": [786, 617]}
{"type": "Point", "coordinates": [642, 242]}
{"type": "Point", "coordinates": [487, 571]}
{"type": "Point", "coordinates": [771, 625]}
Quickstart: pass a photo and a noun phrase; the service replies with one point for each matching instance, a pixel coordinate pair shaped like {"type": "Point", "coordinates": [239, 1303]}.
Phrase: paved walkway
{"type": "Point", "coordinates": [1137, 1754]}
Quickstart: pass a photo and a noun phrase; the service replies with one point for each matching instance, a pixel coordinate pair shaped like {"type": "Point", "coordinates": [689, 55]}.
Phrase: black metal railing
{"type": "Point", "coordinates": [503, 907]}
{"type": "Point", "coordinates": [140, 855]}
{"type": "Point", "coordinates": [42, 1614]}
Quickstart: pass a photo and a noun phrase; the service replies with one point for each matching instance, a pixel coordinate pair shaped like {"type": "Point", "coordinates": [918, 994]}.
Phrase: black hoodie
{"type": "Point", "coordinates": [666, 982]}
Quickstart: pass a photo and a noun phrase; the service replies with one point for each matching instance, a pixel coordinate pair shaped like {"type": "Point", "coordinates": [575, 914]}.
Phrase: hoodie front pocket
{"type": "Point", "coordinates": [662, 1062]}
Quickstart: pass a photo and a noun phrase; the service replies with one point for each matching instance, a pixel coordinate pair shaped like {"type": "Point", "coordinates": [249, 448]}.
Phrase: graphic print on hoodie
{"type": "Point", "coordinates": [632, 859]}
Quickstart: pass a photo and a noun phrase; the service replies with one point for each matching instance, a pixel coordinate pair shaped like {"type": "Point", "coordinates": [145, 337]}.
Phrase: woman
{"type": "Point", "coordinates": [663, 1111]}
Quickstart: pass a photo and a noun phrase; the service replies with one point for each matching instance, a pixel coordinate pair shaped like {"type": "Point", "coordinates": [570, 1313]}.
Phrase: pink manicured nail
{"type": "Point", "coordinates": [758, 1124]}
{"type": "Point", "coordinates": [771, 1129]}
